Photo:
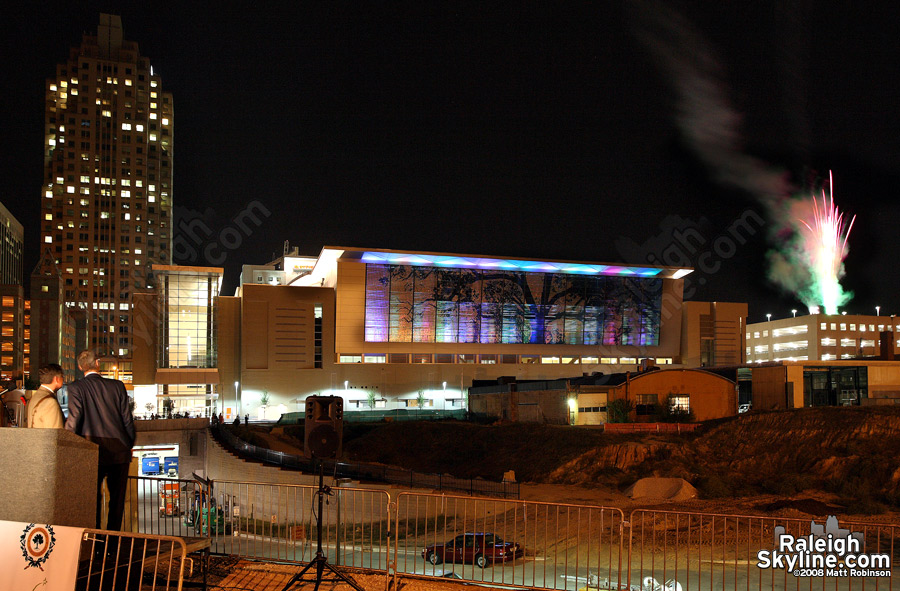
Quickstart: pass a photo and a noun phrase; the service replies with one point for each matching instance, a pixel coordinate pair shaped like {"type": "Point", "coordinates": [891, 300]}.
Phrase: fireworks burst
{"type": "Point", "coordinates": [824, 247]}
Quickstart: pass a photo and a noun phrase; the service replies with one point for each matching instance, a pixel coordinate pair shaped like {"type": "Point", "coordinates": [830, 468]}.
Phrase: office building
{"type": "Point", "coordinates": [818, 337]}
{"type": "Point", "coordinates": [12, 334]}
{"type": "Point", "coordinates": [12, 306]}
{"type": "Point", "coordinates": [58, 333]}
{"type": "Point", "coordinates": [106, 213]}
{"type": "Point", "coordinates": [12, 239]}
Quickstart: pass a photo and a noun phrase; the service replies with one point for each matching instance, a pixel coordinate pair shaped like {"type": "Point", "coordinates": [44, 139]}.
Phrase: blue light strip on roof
{"type": "Point", "coordinates": [435, 260]}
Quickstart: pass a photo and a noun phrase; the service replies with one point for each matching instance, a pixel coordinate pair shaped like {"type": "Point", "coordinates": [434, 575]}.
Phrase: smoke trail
{"type": "Point", "coordinates": [711, 127]}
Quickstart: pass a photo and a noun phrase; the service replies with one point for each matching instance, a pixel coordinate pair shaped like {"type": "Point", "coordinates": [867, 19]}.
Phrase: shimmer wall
{"type": "Point", "coordinates": [406, 303]}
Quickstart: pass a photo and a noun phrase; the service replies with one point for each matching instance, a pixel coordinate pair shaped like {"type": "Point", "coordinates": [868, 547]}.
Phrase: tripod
{"type": "Point", "coordinates": [320, 561]}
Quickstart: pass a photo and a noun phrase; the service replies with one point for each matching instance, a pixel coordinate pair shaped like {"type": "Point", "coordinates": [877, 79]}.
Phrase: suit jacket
{"type": "Point", "coordinates": [99, 411]}
{"type": "Point", "coordinates": [43, 411]}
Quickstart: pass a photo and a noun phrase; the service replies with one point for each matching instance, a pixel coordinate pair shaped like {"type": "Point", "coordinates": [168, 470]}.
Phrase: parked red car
{"type": "Point", "coordinates": [479, 549]}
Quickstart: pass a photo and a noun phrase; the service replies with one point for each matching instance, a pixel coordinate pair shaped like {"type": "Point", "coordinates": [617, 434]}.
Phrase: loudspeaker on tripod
{"type": "Point", "coordinates": [323, 427]}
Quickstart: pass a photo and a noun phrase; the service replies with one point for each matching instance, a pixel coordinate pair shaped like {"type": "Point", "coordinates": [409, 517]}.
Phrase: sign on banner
{"type": "Point", "coordinates": [38, 556]}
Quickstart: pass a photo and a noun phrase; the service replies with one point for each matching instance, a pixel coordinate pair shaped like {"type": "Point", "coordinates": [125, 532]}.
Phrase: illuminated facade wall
{"type": "Point", "coordinates": [421, 304]}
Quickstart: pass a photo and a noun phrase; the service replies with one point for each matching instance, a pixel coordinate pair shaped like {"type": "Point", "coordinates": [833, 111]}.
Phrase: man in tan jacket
{"type": "Point", "coordinates": [43, 411]}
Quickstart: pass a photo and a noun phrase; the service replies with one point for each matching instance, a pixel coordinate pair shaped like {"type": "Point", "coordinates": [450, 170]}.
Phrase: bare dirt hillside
{"type": "Point", "coordinates": [851, 453]}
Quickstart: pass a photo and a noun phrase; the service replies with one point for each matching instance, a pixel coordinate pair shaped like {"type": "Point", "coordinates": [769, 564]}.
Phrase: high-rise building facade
{"type": "Point", "coordinates": [12, 307]}
{"type": "Point", "coordinates": [11, 248]}
{"type": "Point", "coordinates": [106, 212]}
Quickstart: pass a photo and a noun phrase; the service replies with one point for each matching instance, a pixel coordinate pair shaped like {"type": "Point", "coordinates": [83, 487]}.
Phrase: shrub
{"type": "Point", "coordinates": [619, 411]}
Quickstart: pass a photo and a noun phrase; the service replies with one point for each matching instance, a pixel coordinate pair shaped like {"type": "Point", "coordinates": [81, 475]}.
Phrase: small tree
{"type": "Point", "coordinates": [264, 399]}
{"type": "Point", "coordinates": [619, 411]}
{"type": "Point", "coordinates": [168, 407]}
{"type": "Point", "coordinates": [420, 400]}
{"type": "Point", "coordinates": [371, 397]}
{"type": "Point", "coordinates": [149, 407]}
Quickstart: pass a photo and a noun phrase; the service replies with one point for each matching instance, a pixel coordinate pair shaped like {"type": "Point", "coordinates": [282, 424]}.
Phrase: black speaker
{"type": "Point", "coordinates": [323, 427]}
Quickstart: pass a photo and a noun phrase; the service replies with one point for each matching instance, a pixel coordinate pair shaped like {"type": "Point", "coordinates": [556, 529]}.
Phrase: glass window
{"type": "Point", "coordinates": [350, 359]}
{"type": "Point", "coordinates": [374, 358]}
{"type": "Point", "coordinates": [680, 402]}
{"type": "Point", "coordinates": [588, 359]}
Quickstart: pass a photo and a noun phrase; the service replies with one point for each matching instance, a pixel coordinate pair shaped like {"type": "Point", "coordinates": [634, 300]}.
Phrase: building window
{"type": "Point", "coordinates": [646, 404]}
{"type": "Point", "coordinates": [680, 403]}
{"type": "Point", "coordinates": [399, 357]}
{"type": "Point", "coordinates": [317, 336]}
{"type": "Point", "coordinates": [375, 358]}
{"type": "Point", "coordinates": [421, 358]}
{"type": "Point", "coordinates": [609, 360]}
{"type": "Point", "coordinates": [488, 359]}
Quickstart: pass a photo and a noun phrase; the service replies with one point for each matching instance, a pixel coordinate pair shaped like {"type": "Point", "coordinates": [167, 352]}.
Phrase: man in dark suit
{"type": "Point", "coordinates": [99, 411]}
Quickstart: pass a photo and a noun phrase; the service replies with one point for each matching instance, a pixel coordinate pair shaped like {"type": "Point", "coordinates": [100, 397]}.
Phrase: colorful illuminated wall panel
{"type": "Point", "coordinates": [406, 303]}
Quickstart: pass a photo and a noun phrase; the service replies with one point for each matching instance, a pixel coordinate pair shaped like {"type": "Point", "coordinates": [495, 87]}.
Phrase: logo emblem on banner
{"type": "Point", "coordinates": [37, 543]}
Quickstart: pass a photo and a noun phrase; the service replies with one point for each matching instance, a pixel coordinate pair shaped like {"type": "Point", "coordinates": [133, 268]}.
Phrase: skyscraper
{"type": "Point", "coordinates": [106, 211]}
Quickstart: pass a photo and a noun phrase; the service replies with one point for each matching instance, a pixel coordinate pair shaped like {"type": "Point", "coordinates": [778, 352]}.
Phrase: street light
{"type": "Point", "coordinates": [236, 398]}
{"type": "Point", "coordinates": [794, 312]}
{"type": "Point", "coordinates": [768, 317]}
{"type": "Point", "coordinates": [878, 310]}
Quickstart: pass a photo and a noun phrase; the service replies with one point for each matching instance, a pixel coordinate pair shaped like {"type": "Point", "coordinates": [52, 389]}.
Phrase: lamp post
{"type": "Point", "coordinates": [878, 310]}
{"type": "Point", "coordinates": [794, 312]}
{"type": "Point", "coordinates": [236, 398]}
{"type": "Point", "coordinates": [768, 317]}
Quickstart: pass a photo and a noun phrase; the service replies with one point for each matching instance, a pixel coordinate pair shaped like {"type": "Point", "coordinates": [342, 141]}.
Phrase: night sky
{"type": "Point", "coordinates": [522, 132]}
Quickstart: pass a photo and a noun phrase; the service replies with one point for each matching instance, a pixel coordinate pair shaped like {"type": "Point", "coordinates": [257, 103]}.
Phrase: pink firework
{"type": "Point", "coordinates": [825, 246]}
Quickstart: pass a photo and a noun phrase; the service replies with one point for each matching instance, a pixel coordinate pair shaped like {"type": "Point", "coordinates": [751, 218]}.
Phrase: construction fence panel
{"type": "Point", "coordinates": [124, 560]}
{"type": "Point", "coordinates": [279, 522]}
{"type": "Point", "coordinates": [515, 543]}
{"type": "Point", "coordinates": [673, 550]}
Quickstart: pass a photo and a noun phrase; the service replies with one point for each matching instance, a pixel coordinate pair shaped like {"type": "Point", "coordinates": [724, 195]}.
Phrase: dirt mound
{"type": "Point", "coordinates": [662, 489]}
{"type": "Point", "coordinates": [808, 506]}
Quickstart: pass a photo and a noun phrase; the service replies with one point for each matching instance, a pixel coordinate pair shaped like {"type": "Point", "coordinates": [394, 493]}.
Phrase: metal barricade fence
{"type": "Point", "coordinates": [168, 506]}
{"type": "Point", "coordinates": [506, 542]}
{"type": "Point", "coordinates": [278, 522]}
{"type": "Point", "coordinates": [120, 560]}
{"type": "Point", "coordinates": [510, 542]}
{"type": "Point", "coordinates": [672, 550]}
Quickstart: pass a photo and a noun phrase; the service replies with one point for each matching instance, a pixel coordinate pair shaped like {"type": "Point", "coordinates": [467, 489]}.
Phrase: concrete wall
{"type": "Point", "coordinates": [189, 434]}
{"type": "Point", "coordinates": [48, 476]}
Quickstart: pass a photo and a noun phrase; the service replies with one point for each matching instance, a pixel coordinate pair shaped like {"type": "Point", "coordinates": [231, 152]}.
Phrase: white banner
{"type": "Point", "coordinates": [37, 556]}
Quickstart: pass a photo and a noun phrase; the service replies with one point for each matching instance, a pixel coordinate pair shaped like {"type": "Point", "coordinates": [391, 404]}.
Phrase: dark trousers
{"type": "Point", "coordinates": [117, 482]}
